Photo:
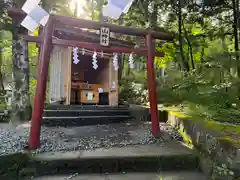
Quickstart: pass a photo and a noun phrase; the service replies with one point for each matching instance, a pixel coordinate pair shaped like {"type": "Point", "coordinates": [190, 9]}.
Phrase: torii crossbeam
{"type": "Point", "coordinates": [69, 24]}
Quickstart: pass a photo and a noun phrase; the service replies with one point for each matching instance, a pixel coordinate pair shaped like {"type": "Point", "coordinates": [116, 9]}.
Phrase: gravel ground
{"type": "Point", "coordinates": [14, 140]}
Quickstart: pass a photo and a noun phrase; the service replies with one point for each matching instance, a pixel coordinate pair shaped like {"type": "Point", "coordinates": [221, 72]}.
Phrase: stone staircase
{"type": "Point", "coordinates": [161, 159]}
{"type": "Point", "coordinates": [144, 162]}
{"type": "Point", "coordinates": [76, 115]}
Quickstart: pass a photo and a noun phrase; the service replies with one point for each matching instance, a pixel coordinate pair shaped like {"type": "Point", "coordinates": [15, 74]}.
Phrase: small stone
{"type": "Point", "coordinates": [101, 136]}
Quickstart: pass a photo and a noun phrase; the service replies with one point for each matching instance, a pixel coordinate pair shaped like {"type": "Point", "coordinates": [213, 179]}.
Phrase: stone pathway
{"type": "Point", "coordinates": [133, 176]}
{"type": "Point", "coordinates": [170, 148]}
{"type": "Point", "coordinates": [115, 148]}
{"type": "Point", "coordinates": [55, 139]}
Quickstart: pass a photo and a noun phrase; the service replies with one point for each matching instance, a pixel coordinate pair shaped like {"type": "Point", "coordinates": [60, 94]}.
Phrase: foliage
{"type": "Point", "coordinates": [216, 92]}
{"type": "Point", "coordinates": [131, 92]}
{"type": "Point", "coordinates": [32, 88]}
{"type": "Point", "coordinates": [201, 63]}
{"type": "Point", "coordinates": [169, 50]}
{"type": "Point", "coordinates": [201, 68]}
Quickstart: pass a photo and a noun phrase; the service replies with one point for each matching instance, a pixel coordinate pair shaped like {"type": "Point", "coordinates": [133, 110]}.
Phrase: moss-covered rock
{"type": "Point", "coordinates": [218, 145]}
{"type": "Point", "coordinates": [12, 165]}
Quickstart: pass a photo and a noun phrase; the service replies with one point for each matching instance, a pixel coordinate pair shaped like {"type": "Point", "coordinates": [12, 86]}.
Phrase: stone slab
{"type": "Point", "coordinates": [170, 148]}
{"type": "Point", "coordinates": [133, 176]}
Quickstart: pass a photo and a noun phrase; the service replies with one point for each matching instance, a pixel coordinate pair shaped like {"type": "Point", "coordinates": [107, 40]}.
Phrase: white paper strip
{"type": "Point", "coordinates": [128, 6]}
{"type": "Point", "coordinates": [43, 22]}
{"type": "Point", "coordinates": [30, 5]}
{"type": "Point", "coordinates": [29, 24]}
{"type": "Point", "coordinates": [115, 62]}
{"type": "Point", "coordinates": [113, 85]}
{"type": "Point", "coordinates": [83, 51]}
{"type": "Point", "coordinates": [94, 60]}
{"type": "Point", "coordinates": [131, 61]}
{"type": "Point", "coordinates": [38, 14]}
{"type": "Point", "coordinates": [75, 55]}
{"type": "Point", "coordinates": [112, 11]}
{"type": "Point", "coordinates": [115, 8]}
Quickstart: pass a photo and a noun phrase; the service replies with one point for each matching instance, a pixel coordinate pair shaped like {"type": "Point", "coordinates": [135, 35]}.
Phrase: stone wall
{"type": "Point", "coordinates": [142, 113]}
{"type": "Point", "coordinates": [219, 158]}
{"type": "Point", "coordinates": [139, 112]}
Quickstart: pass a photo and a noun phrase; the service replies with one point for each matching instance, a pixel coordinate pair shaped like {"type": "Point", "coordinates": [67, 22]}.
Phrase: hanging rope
{"type": "Point", "coordinates": [83, 51]}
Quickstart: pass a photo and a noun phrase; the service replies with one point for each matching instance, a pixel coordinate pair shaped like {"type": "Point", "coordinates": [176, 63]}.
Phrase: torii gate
{"type": "Point", "coordinates": [69, 24]}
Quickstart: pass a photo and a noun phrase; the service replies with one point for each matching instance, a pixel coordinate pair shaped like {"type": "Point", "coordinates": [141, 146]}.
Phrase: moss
{"type": "Point", "coordinates": [229, 140]}
{"type": "Point", "coordinates": [3, 106]}
{"type": "Point", "coordinates": [228, 132]}
{"type": "Point", "coordinates": [228, 136]}
{"type": "Point", "coordinates": [28, 172]}
{"type": "Point", "coordinates": [11, 165]}
{"type": "Point", "coordinates": [179, 115]}
{"type": "Point", "coordinates": [221, 127]}
{"type": "Point", "coordinates": [186, 137]}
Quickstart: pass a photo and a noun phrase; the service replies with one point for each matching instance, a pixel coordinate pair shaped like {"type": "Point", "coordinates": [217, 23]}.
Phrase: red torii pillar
{"type": "Point", "coordinates": [40, 94]}
{"type": "Point", "coordinates": [152, 93]}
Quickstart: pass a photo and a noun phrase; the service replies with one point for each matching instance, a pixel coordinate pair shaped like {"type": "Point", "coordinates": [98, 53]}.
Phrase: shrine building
{"type": "Point", "coordinates": [78, 77]}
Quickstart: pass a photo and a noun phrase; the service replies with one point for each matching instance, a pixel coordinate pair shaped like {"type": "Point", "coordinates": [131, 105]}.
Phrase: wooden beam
{"type": "Point", "coordinates": [37, 39]}
{"type": "Point", "coordinates": [91, 46]}
{"type": "Point", "coordinates": [16, 13]}
{"type": "Point", "coordinates": [85, 36]}
{"type": "Point", "coordinates": [82, 23]}
{"type": "Point", "coordinates": [98, 47]}
{"type": "Point", "coordinates": [91, 35]}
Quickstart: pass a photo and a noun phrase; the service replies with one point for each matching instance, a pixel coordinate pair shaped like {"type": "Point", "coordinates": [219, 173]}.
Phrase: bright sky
{"type": "Point", "coordinates": [80, 4]}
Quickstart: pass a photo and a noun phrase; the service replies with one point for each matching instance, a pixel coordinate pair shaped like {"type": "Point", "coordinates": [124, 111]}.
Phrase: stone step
{"type": "Point", "coordinates": [163, 156]}
{"type": "Point", "coordinates": [139, 158]}
{"type": "Point", "coordinates": [68, 121]}
{"type": "Point", "coordinates": [84, 112]}
{"type": "Point", "coordinates": [184, 175]}
{"type": "Point", "coordinates": [104, 107]}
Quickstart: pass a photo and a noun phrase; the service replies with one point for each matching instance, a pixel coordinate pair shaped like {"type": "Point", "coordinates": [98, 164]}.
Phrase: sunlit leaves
{"type": "Point", "coordinates": [169, 51]}
{"type": "Point", "coordinates": [196, 30]}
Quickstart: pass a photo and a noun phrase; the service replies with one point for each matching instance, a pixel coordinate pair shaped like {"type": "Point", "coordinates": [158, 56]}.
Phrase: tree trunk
{"type": "Point", "coordinates": [121, 67]}
{"type": "Point", "coordinates": [1, 75]}
{"type": "Point", "coordinates": [180, 39]}
{"type": "Point", "coordinates": [21, 107]}
{"type": "Point", "coordinates": [153, 17]}
{"type": "Point", "coordinates": [189, 46]}
{"type": "Point", "coordinates": [128, 71]}
{"type": "Point", "coordinates": [235, 4]}
{"type": "Point", "coordinates": [92, 10]}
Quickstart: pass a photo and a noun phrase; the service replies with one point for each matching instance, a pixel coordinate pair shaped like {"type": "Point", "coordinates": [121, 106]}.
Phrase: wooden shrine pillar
{"type": "Point", "coordinates": [40, 94]}
{"type": "Point", "coordinates": [152, 87]}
